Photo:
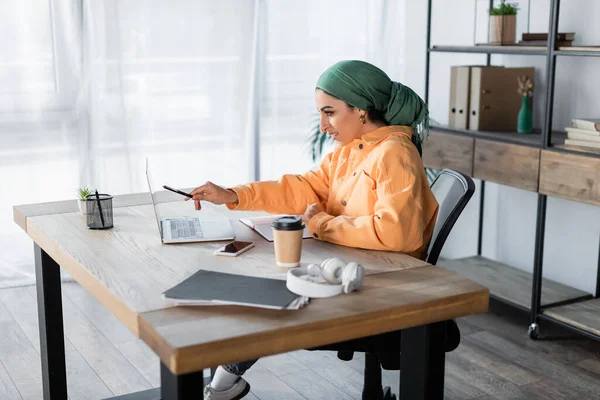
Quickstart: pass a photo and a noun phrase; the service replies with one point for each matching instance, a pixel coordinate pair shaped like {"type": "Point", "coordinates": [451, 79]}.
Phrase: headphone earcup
{"type": "Point", "coordinates": [332, 270]}
{"type": "Point", "coordinates": [352, 277]}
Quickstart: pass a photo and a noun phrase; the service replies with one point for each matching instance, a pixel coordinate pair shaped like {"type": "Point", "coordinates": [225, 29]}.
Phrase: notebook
{"type": "Point", "coordinates": [218, 288]}
{"type": "Point", "coordinates": [262, 226]}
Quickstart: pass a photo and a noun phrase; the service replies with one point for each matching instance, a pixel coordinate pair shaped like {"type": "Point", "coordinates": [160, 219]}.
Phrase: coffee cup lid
{"type": "Point", "coordinates": [288, 223]}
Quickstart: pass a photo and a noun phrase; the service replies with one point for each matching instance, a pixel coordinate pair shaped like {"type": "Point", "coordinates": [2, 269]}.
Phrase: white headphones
{"type": "Point", "coordinates": [331, 278]}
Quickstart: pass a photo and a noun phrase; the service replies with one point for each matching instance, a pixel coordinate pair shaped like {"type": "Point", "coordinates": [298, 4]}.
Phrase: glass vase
{"type": "Point", "coordinates": [525, 118]}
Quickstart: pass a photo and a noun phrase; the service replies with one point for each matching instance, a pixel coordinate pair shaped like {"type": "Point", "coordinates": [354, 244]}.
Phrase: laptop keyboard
{"type": "Point", "coordinates": [186, 228]}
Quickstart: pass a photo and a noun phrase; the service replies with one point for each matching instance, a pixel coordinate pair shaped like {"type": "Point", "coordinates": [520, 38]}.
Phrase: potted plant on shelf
{"type": "Point", "coordinates": [503, 23]}
{"type": "Point", "coordinates": [525, 117]}
{"type": "Point", "coordinates": [82, 193]}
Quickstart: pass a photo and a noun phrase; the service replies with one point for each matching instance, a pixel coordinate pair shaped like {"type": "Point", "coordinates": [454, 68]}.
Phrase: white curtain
{"type": "Point", "coordinates": [206, 89]}
{"type": "Point", "coordinates": [303, 39]}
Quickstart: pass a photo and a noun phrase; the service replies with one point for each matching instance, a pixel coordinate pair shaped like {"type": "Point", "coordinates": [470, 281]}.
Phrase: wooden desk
{"type": "Point", "coordinates": [127, 268]}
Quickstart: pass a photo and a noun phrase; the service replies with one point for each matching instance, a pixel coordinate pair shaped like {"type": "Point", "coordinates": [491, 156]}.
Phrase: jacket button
{"type": "Point", "coordinates": [344, 202]}
{"type": "Point", "coordinates": [315, 235]}
{"type": "Point", "coordinates": [354, 173]}
{"type": "Point", "coordinates": [360, 146]}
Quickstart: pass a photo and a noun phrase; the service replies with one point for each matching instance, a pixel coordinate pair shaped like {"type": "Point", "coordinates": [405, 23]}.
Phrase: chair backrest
{"type": "Point", "coordinates": [452, 190]}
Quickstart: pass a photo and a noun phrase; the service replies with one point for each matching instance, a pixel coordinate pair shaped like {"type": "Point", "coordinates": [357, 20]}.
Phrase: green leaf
{"type": "Point", "coordinates": [505, 9]}
{"type": "Point", "coordinates": [316, 139]}
{"type": "Point", "coordinates": [83, 192]}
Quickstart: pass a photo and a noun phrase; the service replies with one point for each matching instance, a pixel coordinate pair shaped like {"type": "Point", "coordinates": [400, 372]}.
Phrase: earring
{"type": "Point", "coordinates": [362, 119]}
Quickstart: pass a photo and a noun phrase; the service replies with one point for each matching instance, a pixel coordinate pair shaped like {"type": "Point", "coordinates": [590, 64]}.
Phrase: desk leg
{"type": "Point", "coordinates": [422, 362]}
{"type": "Point", "coordinates": [181, 387]}
{"type": "Point", "coordinates": [52, 336]}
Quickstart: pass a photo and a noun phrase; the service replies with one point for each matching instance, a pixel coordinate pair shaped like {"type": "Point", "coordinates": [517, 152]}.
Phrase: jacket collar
{"type": "Point", "coordinates": [379, 134]}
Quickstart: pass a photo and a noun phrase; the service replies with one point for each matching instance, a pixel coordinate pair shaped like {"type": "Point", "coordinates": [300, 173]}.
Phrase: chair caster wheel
{"type": "Point", "coordinates": [533, 331]}
{"type": "Point", "coordinates": [387, 394]}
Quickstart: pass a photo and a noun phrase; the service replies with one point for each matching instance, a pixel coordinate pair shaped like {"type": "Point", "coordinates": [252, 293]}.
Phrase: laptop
{"type": "Point", "coordinates": [190, 229]}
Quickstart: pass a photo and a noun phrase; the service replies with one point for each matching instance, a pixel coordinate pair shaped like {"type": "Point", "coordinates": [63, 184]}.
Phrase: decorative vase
{"type": "Point", "coordinates": [82, 207]}
{"type": "Point", "coordinates": [525, 118]}
{"type": "Point", "coordinates": [503, 29]}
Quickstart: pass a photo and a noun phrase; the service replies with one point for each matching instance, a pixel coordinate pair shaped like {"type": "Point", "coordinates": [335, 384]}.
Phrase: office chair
{"type": "Point", "coordinates": [452, 190]}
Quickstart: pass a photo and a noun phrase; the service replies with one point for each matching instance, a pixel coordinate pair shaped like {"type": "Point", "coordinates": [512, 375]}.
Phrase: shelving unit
{"type": "Point", "coordinates": [538, 162]}
{"type": "Point", "coordinates": [510, 284]}
{"type": "Point", "coordinates": [579, 51]}
{"type": "Point", "coordinates": [490, 49]}
{"type": "Point", "coordinates": [533, 139]}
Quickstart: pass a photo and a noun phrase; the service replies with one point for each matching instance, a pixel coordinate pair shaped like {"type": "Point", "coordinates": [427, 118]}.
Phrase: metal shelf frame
{"type": "Point", "coordinates": [551, 53]}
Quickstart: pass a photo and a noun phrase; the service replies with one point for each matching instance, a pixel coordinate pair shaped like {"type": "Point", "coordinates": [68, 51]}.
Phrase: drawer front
{"type": "Point", "coordinates": [570, 176]}
{"type": "Point", "coordinates": [444, 150]}
{"type": "Point", "coordinates": [507, 164]}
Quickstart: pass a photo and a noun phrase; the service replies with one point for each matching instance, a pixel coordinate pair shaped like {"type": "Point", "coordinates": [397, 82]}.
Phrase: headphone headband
{"type": "Point", "coordinates": [299, 282]}
{"type": "Point", "coordinates": [333, 277]}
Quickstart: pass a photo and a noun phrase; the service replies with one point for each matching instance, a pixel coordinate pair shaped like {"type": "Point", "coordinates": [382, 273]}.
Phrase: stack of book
{"type": "Point", "coordinates": [584, 132]}
{"type": "Point", "coordinates": [563, 39]}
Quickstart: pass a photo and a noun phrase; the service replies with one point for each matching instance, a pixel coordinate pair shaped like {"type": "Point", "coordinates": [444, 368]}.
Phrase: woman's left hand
{"type": "Point", "coordinates": [311, 211]}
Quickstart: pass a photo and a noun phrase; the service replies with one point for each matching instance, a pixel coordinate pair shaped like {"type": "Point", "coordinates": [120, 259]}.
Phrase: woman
{"type": "Point", "coordinates": [370, 192]}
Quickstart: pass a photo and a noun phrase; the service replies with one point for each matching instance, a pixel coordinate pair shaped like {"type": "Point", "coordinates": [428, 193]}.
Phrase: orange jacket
{"type": "Point", "coordinates": [374, 190]}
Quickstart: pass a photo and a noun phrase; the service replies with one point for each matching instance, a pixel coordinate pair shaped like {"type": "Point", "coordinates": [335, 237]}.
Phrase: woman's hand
{"type": "Point", "coordinates": [212, 193]}
{"type": "Point", "coordinates": [311, 211]}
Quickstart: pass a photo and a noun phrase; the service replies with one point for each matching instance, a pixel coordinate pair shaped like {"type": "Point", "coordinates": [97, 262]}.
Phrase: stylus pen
{"type": "Point", "coordinates": [178, 191]}
{"type": "Point", "coordinates": [100, 209]}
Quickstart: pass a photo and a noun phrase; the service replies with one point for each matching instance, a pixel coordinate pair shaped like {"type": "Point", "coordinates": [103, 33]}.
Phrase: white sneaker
{"type": "Point", "coordinates": [239, 389]}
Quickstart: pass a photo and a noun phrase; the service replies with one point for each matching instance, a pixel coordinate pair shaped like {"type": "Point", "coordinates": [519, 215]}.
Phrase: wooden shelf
{"type": "Point", "coordinates": [508, 283]}
{"type": "Point", "coordinates": [491, 49]}
{"type": "Point", "coordinates": [572, 51]}
{"type": "Point", "coordinates": [583, 315]}
{"type": "Point", "coordinates": [576, 51]}
{"type": "Point", "coordinates": [528, 139]}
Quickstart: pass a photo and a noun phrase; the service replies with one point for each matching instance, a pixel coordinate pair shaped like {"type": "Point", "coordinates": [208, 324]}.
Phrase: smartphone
{"type": "Point", "coordinates": [178, 191]}
{"type": "Point", "coordinates": [234, 248]}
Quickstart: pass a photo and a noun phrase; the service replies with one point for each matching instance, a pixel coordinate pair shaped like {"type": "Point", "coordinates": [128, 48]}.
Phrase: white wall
{"type": "Point", "coordinates": [572, 229]}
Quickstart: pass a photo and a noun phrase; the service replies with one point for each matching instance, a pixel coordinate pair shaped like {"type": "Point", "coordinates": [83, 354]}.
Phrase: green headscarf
{"type": "Point", "coordinates": [367, 87]}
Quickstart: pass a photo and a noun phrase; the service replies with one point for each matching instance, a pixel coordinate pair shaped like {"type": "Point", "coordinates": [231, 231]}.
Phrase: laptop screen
{"type": "Point", "coordinates": [153, 199]}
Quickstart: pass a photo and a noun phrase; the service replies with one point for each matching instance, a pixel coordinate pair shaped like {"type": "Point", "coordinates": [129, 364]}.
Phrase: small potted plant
{"type": "Point", "coordinates": [503, 23]}
{"type": "Point", "coordinates": [525, 117]}
{"type": "Point", "coordinates": [82, 193]}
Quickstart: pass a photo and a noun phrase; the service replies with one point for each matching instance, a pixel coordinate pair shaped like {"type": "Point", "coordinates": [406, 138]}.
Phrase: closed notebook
{"type": "Point", "coordinates": [262, 226]}
{"type": "Point", "coordinates": [588, 124]}
{"type": "Point", "coordinates": [582, 143]}
{"type": "Point", "coordinates": [218, 288]}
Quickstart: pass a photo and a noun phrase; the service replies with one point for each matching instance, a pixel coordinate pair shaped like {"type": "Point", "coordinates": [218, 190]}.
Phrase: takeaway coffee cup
{"type": "Point", "coordinates": [287, 237]}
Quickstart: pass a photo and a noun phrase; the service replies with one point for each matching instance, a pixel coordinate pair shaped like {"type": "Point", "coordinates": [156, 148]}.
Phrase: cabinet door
{"type": "Point", "coordinates": [570, 176]}
{"type": "Point", "coordinates": [445, 150]}
{"type": "Point", "coordinates": [508, 164]}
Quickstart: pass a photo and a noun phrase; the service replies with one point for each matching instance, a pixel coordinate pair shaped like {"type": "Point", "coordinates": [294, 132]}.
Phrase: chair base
{"type": "Point", "coordinates": [383, 351]}
{"type": "Point", "coordinates": [384, 394]}
{"type": "Point", "coordinates": [387, 394]}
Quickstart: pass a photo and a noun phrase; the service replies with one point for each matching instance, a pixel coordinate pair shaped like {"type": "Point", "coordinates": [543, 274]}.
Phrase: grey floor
{"type": "Point", "coordinates": [495, 360]}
